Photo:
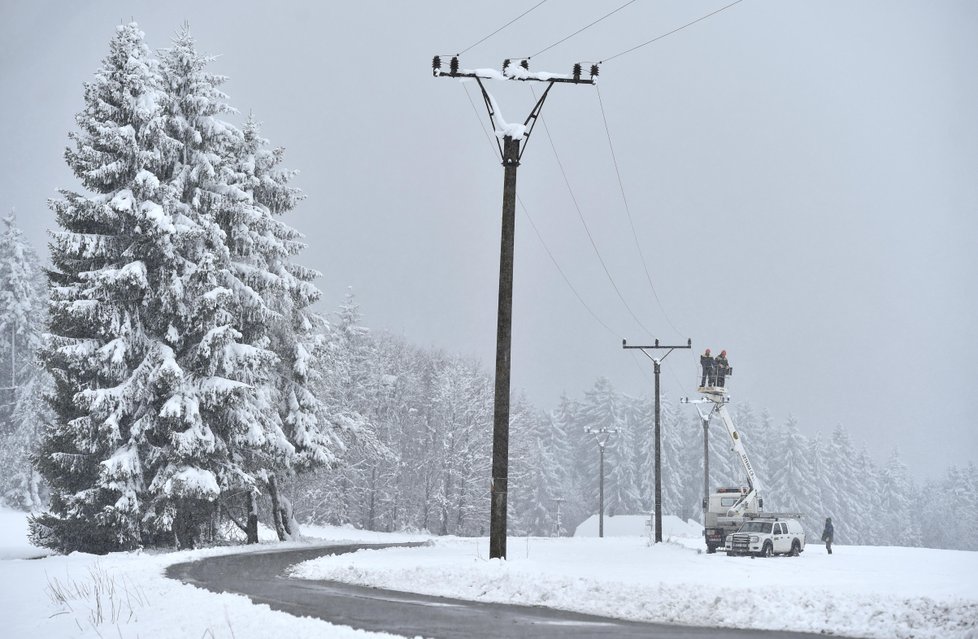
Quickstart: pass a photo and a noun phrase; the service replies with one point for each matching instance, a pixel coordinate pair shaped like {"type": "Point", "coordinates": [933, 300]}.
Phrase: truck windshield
{"type": "Point", "coordinates": [756, 526]}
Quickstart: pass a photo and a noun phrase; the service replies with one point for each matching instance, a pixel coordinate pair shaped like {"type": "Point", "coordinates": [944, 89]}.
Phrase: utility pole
{"type": "Point", "coordinates": [658, 431]}
{"type": "Point", "coordinates": [603, 435]}
{"type": "Point", "coordinates": [705, 420]}
{"type": "Point", "coordinates": [511, 153]}
{"type": "Point", "coordinates": [557, 501]}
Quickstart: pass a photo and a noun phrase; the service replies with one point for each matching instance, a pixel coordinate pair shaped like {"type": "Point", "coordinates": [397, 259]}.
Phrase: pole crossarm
{"type": "Point", "coordinates": [656, 346]}
{"type": "Point", "coordinates": [519, 72]}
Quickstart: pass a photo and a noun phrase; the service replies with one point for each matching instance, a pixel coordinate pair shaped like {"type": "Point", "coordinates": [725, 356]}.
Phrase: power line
{"type": "Point", "coordinates": [553, 259]}
{"type": "Point", "coordinates": [631, 223]}
{"type": "Point", "coordinates": [587, 230]}
{"type": "Point", "coordinates": [501, 28]}
{"type": "Point", "coordinates": [539, 235]}
{"type": "Point", "coordinates": [583, 28]}
{"type": "Point", "coordinates": [657, 38]}
{"type": "Point", "coordinates": [562, 274]}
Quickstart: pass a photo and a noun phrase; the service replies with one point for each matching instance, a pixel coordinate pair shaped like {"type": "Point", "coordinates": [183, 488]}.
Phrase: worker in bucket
{"type": "Point", "coordinates": [722, 367]}
{"type": "Point", "coordinates": [707, 362]}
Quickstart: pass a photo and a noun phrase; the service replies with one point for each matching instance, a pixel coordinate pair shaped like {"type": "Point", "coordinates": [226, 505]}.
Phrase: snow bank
{"type": "Point", "coordinates": [13, 537]}
{"type": "Point", "coordinates": [47, 598]}
{"type": "Point", "coordinates": [857, 591]}
{"type": "Point", "coordinates": [638, 526]}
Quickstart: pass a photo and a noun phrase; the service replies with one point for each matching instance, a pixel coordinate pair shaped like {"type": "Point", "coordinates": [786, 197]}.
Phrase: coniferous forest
{"type": "Point", "coordinates": [168, 379]}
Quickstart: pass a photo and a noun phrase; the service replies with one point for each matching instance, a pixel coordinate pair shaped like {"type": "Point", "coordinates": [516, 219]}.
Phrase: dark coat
{"type": "Point", "coordinates": [828, 532]}
{"type": "Point", "coordinates": [708, 363]}
{"type": "Point", "coordinates": [722, 365]}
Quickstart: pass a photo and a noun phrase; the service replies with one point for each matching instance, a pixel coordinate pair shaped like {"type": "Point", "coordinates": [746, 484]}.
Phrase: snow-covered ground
{"type": "Point", "coordinates": [125, 595]}
{"type": "Point", "coordinates": [858, 591]}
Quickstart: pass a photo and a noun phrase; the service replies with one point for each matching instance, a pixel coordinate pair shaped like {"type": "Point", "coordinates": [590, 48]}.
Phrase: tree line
{"type": "Point", "coordinates": [430, 410]}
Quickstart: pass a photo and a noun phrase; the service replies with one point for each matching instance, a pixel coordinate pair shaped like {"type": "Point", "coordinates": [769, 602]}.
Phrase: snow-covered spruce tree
{"type": "Point", "coordinates": [22, 409]}
{"type": "Point", "coordinates": [176, 382]}
{"type": "Point", "coordinates": [275, 295]}
{"type": "Point", "coordinates": [101, 357]}
{"type": "Point", "coordinates": [217, 425]}
{"type": "Point", "coordinates": [535, 480]}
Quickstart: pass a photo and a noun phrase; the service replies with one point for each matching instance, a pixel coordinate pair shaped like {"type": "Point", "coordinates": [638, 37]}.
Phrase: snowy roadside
{"type": "Point", "coordinates": [126, 595]}
{"type": "Point", "coordinates": [856, 592]}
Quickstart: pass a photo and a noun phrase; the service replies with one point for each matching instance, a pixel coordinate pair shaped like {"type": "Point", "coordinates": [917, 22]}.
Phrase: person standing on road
{"type": "Point", "coordinates": [827, 533]}
{"type": "Point", "coordinates": [706, 361]}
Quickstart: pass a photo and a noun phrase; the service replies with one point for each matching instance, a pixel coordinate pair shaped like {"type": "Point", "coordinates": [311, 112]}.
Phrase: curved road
{"type": "Point", "coordinates": [260, 576]}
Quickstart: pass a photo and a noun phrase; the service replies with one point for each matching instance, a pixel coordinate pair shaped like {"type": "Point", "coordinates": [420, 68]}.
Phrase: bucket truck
{"type": "Point", "coordinates": [728, 508]}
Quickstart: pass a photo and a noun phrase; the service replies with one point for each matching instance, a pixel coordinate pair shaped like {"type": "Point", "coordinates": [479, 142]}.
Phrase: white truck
{"type": "Point", "coordinates": [730, 508]}
{"type": "Point", "coordinates": [767, 536]}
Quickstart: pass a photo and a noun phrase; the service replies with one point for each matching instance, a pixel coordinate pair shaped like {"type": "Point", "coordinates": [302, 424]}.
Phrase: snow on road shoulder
{"type": "Point", "coordinates": [126, 595]}
{"type": "Point", "coordinates": [857, 592]}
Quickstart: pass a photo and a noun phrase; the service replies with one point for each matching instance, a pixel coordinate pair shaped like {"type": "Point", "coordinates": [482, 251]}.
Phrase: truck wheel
{"type": "Point", "coordinates": [767, 550]}
{"type": "Point", "coordinates": [795, 548]}
{"type": "Point", "coordinates": [710, 549]}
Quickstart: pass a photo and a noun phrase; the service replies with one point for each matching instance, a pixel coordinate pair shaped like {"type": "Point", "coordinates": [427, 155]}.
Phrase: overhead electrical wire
{"type": "Point", "coordinates": [472, 46]}
{"type": "Point", "coordinates": [526, 213]}
{"type": "Point", "coordinates": [614, 160]}
{"type": "Point", "coordinates": [657, 38]}
{"type": "Point", "coordinates": [582, 29]}
{"type": "Point", "coordinates": [543, 243]}
{"type": "Point", "coordinates": [587, 230]}
{"type": "Point", "coordinates": [631, 222]}
{"type": "Point", "coordinates": [561, 271]}
{"type": "Point", "coordinates": [616, 334]}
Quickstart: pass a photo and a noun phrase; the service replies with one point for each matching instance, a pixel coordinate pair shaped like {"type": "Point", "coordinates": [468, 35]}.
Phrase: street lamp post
{"type": "Point", "coordinates": [602, 435]}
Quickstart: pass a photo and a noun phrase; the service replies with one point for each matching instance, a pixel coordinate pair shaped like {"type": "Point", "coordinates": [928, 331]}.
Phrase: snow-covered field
{"type": "Point", "coordinates": [858, 591]}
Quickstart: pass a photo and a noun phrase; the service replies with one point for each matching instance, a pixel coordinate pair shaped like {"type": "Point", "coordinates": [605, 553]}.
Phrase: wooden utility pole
{"type": "Point", "coordinates": [510, 151]}
{"type": "Point", "coordinates": [658, 432]}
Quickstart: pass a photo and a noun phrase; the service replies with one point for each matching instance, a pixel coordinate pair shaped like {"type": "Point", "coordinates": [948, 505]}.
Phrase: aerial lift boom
{"type": "Point", "coordinates": [718, 397]}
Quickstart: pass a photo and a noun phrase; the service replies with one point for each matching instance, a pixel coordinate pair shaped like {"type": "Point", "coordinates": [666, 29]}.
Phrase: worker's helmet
{"type": "Point", "coordinates": [723, 353]}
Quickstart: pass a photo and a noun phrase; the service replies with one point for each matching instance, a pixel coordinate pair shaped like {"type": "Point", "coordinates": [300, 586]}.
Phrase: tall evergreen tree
{"type": "Point", "coordinates": [23, 383]}
{"type": "Point", "coordinates": [176, 379]}
{"type": "Point", "coordinates": [102, 362]}
{"type": "Point", "coordinates": [897, 502]}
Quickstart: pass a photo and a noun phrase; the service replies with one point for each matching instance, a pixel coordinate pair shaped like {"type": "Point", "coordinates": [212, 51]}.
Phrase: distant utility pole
{"type": "Point", "coordinates": [557, 502]}
{"type": "Point", "coordinates": [705, 420]}
{"type": "Point", "coordinates": [602, 434]}
{"type": "Point", "coordinates": [510, 152]}
{"type": "Point", "coordinates": [658, 431]}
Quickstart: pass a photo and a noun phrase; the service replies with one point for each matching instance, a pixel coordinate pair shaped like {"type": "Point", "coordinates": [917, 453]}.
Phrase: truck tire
{"type": "Point", "coordinates": [767, 550]}
{"type": "Point", "coordinates": [795, 548]}
{"type": "Point", "coordinates": [710, 549]}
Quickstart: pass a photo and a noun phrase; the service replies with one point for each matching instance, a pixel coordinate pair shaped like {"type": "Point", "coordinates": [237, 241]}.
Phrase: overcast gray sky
{"type": "Point", "coordinates": [802, 178]}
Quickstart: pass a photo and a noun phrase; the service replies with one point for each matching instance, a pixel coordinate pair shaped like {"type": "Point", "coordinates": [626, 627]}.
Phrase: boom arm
{"type": "Point", "coordinates": [738, 446]}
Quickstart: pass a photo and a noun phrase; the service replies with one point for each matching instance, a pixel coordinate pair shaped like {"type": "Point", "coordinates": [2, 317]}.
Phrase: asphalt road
{"type": "Point", "coordinates": [260, 576]}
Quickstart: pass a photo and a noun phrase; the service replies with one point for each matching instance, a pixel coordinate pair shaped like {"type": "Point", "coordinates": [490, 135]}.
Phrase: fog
{"type": "Point", "coordinates": [800, 177]}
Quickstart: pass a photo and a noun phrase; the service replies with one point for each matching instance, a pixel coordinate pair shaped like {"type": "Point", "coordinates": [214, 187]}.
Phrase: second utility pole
{"type": "Point", "coordinates": [658, 433]}
{"type": "Point", "coordinates": [510, 153]}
